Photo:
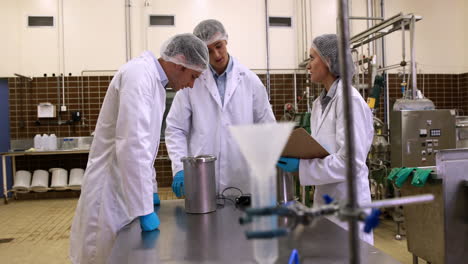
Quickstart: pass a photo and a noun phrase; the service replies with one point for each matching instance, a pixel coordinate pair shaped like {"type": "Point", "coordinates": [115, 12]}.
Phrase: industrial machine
{"type": "Point", "coordinates": [438, 232]}
{"type": "Point", "coordinates": [462, 131]}
{"type": "Point", "coordinates": [416, 136]}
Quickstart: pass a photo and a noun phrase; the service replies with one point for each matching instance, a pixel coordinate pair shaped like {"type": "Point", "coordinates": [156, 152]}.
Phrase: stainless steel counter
{"type": "Point", "coordinates": [218, 238]}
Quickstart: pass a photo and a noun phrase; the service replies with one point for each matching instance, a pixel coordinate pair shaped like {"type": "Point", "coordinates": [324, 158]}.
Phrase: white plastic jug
{"type": "Point", "coordinates": [59, 179]}
{"type": "Point", "coordinates": [45, 142]}
{"type": "Point", "coordinates": [52, 142]}
{"type": "Point", "coordinates": [40, 181]}
{"type": "Point", "coordinates": [76, 178]}
{"type": "Point", "coordinates": [22, 181]}
{"type": "Point", "coordinates": [38, 142]}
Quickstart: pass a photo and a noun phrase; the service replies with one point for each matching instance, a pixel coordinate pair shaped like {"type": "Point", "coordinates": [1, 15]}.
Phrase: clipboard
{"type": "Point", "coordinates": [303, 146]}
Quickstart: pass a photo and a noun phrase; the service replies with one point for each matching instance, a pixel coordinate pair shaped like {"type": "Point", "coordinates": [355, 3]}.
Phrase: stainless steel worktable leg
{"type": "Point", "coordinates": [5, 184]}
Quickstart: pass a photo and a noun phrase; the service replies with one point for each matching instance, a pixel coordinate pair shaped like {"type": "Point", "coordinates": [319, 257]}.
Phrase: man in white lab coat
{"type": "Point", "coordinates": [226, 94]}
{"type": "Point", "coordinates": [327, 127]}
{"type": "Point", "coordinates": [119, 182]}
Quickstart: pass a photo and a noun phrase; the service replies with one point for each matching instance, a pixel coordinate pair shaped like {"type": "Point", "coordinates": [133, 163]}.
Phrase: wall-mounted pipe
{"type": "Point", "coordinates": [413, 56]}
{"type": "Point", "coordinates": [128, 30]}
{"type": "Point", "coordinates": [61, 56]}
{"type": "Point", "coordinates": [369, 13]}
{"type": "Point", "coordinates": [145, 23]}
{"type": "Point", "coordinates": [24, 76]}
{"type": "Point", "coordinates": [267, 29]}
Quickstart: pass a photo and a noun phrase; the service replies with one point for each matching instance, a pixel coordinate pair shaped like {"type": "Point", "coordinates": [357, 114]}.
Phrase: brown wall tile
{"type": "Point", "coordinates": [87, 93]}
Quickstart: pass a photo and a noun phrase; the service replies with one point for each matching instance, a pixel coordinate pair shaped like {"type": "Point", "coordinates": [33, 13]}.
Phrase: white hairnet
{"type": "Point", "coordinates": [210, 31]}
{"type": "Point", "coordinates": [327, 47]}
{"type": "Point", "coordinates": [187, 50]}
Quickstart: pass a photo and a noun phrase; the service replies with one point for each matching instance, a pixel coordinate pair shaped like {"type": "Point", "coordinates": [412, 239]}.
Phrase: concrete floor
{"type": "Point", "coordinates": [37, 231]}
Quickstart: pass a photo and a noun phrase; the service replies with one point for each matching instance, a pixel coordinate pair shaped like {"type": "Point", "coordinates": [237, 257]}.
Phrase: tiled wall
{"type": "Point", "coordinates": [85, 94]}
{"type": "Point", "coordinates": [463, 88]}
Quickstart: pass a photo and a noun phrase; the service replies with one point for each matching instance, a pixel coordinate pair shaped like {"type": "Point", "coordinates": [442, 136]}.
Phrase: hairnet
{"type": "Point", "coordinates": [327, 47]}
{"type": "Point", "coordinates": [210, 31]}
{"type": "Point", "coordinates": [187, 50]}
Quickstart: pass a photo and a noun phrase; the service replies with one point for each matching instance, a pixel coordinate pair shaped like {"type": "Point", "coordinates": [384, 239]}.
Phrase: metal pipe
{"type": "Point", "coordinates": [403, 48]}
{"type": "Point", "coordinates": [128, 30]}
{"type": "Point", "coordinates": [295, 93]}
{"type": "Point", "coordinates": [368, 22]}
{"type": "Point", "coordinates": [390, 67]}
{"type": "Point", "coordinates": [384, 64]}
{"type": "Point", "coordinates": [84, 71]}
{"type": "Point", "coordinates": [366, 18]}
{"type": "Point", "coordinates": [267, 29]}
{"type": "Point", "coordinates": [306, 30]}
{"type": "Point", "coordinates": [304, 38]}
{"type": "Point", "coordinates": [63, 90]}
{"type": "Point", "coordinates": [344, 58]}
{"type": "Point", "coordinates": [145, 18]}
{"type": "Point", "coordinates": [59, 118]}
{"type": "Point", "coordinates": [424, 198]}
{"type": "Point", "coordinates": [5, 183]}
{"type": "Point", "coordinates": [387, 101]}
{"type": "Point", "coordinates": [63, 41]}
{"type": "Point", "coordinates": [357, 80]}
{"type": "Point", "coordinates": [23, 76]}
{"type": "Point", "coordinates": [413, 57]}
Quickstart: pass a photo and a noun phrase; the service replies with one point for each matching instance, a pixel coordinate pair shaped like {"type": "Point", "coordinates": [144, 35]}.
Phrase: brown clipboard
{"type": "Point", "coordinates": [303, 146]}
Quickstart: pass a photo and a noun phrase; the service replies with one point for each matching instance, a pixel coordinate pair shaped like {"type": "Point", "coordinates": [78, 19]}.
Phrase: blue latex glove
{"type": "Point", "coordinates": [178, 184]}
{"type": "Point", "coordinates": [294, 257]}
{"type": "Point", "coordinates": [288, 164]}
{"type": "Point", "coordinates": [156, 200]}
{"type": "Point", "coordinates": [149, 222]}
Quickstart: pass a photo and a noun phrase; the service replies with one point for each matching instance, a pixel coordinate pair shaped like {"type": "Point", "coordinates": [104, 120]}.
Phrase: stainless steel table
{"type": "Point", "coordinates": [14, 154]}
{"type": "Point", "coordinates": [218, 238]}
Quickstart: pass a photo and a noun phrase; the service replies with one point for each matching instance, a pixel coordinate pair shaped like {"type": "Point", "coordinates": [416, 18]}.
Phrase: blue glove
{"type": "Point", "coordinates": [288, 164]}
{"type": "Point", "coordinates": [178, 184]}
{"type": "Point", "coordinates": [156, 200]}
{"type": "Point", "coordinates": [149, 222]}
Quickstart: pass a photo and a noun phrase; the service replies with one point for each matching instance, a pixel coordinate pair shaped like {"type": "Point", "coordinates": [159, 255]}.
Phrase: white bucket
{"type": "Point", "coordinates": [59, 179]}
{"type": "Point", "coordinates": [22, 181]}
{"type": "Point", "coordinates": [76, 177]}
{"type": "Point", "coordinates": [40, 181]}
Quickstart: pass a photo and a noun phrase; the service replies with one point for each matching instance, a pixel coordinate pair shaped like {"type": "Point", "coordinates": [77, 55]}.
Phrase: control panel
{"type": "Point", "coordinates": [417, 136]}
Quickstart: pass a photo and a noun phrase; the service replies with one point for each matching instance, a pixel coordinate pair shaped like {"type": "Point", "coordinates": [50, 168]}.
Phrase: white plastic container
{"type": "Point", "coordinates": [45, 142]}
{"type": "Point", "coordinates": [22, 181]}
{"type": "Point", "coordinates": [40, 181]}
{"type": "Point", "coordinates": [76, 178]}
{"type": "Point", "coordinates": [38, 142]}
{"type": "Point", "coordinates": [52, 142]}
{"type": "Point", "coordinates": [59, 179]}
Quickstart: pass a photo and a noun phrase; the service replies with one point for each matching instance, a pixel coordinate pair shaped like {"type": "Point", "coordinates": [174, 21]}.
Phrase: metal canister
{"type": "Point", "coordinates": [285, 185]}
{"type": "Point", "coordinates": [199, 184]}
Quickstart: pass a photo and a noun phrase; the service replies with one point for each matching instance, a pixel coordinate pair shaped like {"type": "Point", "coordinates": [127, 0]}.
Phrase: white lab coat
{"type": "Point", "coordinates": [198, 123]}
{"type": "Point", "coordinates": [329, 174]}
{"type": "Point", "coordinates": [120, 178]}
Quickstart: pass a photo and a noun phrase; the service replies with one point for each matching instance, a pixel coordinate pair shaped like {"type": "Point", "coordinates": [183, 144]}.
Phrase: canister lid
{"type": "Point", "coordinates": [199, 158]}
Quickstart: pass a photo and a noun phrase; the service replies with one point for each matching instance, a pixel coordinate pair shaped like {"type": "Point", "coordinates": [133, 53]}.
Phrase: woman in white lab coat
{"type": "Point", "coordinates": [199, 119]}
{"type": "Point", "coordinates": [327, 127]}
{"type": "Point", "coordinates": [120, 181]}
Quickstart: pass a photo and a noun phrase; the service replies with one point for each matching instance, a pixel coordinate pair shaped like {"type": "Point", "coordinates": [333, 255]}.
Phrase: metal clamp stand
{"type": "Point", "coordinates": [300, 214]}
